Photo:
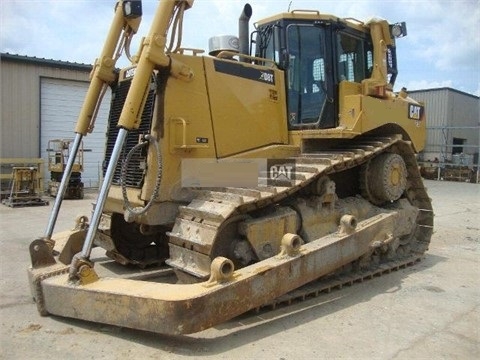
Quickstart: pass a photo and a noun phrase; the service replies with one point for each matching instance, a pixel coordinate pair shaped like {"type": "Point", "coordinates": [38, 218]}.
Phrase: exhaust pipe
{"type": "Point", "coordinates": [243, 31]}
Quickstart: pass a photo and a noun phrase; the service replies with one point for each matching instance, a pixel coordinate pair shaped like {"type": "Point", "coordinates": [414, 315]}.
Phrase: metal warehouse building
{"type": "Point", "coordinates": [40, 101]}
{"type": "Point", "coordinates": [453, 131]}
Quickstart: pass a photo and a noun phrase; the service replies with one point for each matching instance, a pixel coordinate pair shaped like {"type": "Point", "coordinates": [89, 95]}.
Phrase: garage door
{"type": "Point", "coordinates": [61, 101]}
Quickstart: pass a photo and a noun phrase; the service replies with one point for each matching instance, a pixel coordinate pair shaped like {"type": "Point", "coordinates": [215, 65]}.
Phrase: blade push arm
{"type": "Point", "coordinates": [126, 20]}
{"type": "Point", "coordinates": [152, 54]}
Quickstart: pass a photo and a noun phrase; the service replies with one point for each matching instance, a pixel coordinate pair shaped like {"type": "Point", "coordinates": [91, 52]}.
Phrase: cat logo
{"type": "Point", "coordinates": [281, 172]}
{"type": "Point", "coordinates": [415, 112]}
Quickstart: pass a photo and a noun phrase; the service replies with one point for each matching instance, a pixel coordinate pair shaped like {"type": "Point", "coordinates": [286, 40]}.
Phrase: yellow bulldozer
{"type": "Point", "coordinates": [281, 160]}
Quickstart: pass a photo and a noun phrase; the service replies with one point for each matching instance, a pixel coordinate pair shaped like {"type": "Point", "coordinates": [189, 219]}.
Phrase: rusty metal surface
{"type": "Point", "coordinates": [199, 224]}
{"type": "Point", "coordinates": [337, 282]}
{"type": "Point", "coordinates": [179, 309]}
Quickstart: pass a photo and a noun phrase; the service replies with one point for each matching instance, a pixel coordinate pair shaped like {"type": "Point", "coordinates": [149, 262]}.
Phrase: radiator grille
{"type": "Point", "coordinates": [137, 165]}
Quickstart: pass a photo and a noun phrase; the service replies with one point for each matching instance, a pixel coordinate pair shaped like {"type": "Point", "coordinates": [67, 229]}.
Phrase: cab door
{"type": "Point", "coordinates": [308, 101]}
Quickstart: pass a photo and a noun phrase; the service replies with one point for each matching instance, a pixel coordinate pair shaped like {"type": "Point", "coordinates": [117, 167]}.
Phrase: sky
{"type": "Point", "coordinates": [442, 48]}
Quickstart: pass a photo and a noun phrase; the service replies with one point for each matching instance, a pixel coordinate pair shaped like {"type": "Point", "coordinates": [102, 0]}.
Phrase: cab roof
{"type": "Point", "coordinates": [313, 15]}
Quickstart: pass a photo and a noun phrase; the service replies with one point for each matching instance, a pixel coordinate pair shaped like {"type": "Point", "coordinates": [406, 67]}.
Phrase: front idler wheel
{"type": "Point", "coordinates": [384, 178]}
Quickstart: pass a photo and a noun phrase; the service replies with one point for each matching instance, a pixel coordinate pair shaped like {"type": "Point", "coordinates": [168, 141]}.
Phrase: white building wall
{"type": "Point", "coordinates": [60, 104]}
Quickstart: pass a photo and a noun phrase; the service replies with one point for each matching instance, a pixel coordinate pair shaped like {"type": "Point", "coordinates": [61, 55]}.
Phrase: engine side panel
{"type": "Point", "coordinates": [247, 104]}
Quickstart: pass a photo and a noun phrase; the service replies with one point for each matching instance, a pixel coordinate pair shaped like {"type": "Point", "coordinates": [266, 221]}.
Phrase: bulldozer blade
{"type": "Point", "coordinates": [187, 308]}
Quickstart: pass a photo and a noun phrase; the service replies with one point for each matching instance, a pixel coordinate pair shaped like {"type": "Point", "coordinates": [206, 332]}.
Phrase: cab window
{"type": "Point", "coordinates": [305, 75]}
{"type": "Point", "coordinates": [355, 58]}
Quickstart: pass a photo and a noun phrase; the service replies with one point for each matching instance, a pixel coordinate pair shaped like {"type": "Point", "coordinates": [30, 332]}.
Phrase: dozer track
{"type": "Point", "coordinates": [298, 271]}
{"type": "Point", "coordinates": [200, 224]}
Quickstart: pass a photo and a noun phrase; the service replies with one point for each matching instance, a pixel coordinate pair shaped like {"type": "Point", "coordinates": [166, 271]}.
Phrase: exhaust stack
{"type": "Point", "coordinates": [243, 31]}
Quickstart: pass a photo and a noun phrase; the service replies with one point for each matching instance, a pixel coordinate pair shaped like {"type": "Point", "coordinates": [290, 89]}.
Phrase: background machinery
{"type": "Point", "coordinates": [25, 188]}
{"type": "Point", "coordinates": [59, 150]}
{"type": "Point", "coordinates": [232, 179]}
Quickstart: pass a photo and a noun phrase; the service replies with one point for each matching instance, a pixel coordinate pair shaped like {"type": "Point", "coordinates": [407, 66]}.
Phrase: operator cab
{"type": "Point", "coordinates": [317, 52]}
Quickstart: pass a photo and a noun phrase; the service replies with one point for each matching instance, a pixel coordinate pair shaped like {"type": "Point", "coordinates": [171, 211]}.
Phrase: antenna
{"type": "Point", "coordinates": [289, 5]}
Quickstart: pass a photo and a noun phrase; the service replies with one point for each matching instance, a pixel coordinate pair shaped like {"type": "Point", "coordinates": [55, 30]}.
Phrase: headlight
{"type": "Point", "coordinates": [398, 30]}
{"type": "Point", "coordinates": [132, 9]}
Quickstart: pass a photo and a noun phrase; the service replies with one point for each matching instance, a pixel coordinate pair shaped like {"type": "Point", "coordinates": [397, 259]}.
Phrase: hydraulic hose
{"type": "Point", "coordinates": [130, 211]}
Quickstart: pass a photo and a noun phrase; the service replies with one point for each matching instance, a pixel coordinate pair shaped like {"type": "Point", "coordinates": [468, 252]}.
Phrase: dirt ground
{"type": "Point", "coordinates": [428, 311]}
